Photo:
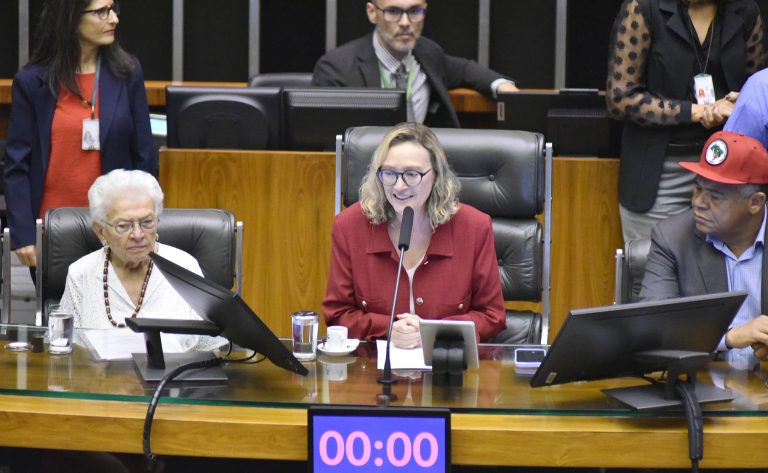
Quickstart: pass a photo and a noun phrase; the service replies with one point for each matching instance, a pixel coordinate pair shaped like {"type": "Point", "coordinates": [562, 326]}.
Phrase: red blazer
{"type": "Point", "coordinates": [458, 279]}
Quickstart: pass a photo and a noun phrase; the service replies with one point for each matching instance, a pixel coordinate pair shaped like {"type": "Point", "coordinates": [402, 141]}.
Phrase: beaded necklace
{"type": "Point", "coordinates": [106, 289]}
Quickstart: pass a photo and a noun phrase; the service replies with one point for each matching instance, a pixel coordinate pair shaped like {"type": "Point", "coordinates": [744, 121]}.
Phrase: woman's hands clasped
{"type": "Point", "coordinates": [712, 115]}
{"type": "Point", "coordinates": [405, 331]}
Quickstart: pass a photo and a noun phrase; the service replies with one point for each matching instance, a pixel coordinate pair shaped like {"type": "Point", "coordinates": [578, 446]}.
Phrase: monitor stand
{"type": "Point", "coordinates": [652, 397]}
{"type": "Point", "coordinates": [151, 374]}
{"type": "Point", "coordinates": [154, 364]}
{"type": "Point", "coordinates": [663, 395]}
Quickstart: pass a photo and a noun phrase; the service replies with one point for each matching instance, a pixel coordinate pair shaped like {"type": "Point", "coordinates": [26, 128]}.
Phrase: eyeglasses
{"type": "Point", "coordinates": [411, 178]}
{"type": "Point", "coordinates": [103, 12]}
{"type": "Point", "coordinates": [393, 14]}
{"type": "Point", "coordinates": [124, 227]}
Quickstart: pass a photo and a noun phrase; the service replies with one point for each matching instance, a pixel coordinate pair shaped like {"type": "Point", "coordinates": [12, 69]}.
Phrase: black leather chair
{"type": "Point", "coordinates": [630, 268]}
{"type": "Point", "coordinates": [281, 79]}
{"type": "Point", "coordinates": [502, 173]}
{"type": "Point", "coordinates": [5, 274]}
{"type": "Point", "coordinates": [210, 235]}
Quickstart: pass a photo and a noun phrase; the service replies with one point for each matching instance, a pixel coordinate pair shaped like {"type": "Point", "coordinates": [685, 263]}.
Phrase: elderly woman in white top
{"type": "Point", "coordinates": [125, 209]}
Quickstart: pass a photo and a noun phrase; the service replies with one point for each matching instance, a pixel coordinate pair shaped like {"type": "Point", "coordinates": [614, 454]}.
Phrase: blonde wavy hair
{"type": "Point", "coordinates": [443, 202]}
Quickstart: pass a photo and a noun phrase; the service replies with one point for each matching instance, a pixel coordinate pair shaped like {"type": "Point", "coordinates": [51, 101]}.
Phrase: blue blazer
{"type": "Point", "coordinates": [124, 131]}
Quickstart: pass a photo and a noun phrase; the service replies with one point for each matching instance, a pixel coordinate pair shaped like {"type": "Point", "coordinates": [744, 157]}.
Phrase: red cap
{"type": "Point", "coordinates": [732, 158]}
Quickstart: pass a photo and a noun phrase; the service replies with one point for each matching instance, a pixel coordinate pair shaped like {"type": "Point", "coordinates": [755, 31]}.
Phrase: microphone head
{"type": "Point", "coordinates": [406, 226]}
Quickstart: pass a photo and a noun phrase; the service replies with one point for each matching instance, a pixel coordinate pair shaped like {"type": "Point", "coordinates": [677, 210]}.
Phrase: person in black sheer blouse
{"type": "Point", "coordinates": [657, 48]}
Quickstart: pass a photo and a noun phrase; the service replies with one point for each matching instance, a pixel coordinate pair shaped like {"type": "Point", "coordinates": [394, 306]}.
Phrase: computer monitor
{"type": "Point", "coordinates": [223, 117]}
{"type": "Point", "coordinates": [220, 309]}
{"type": "Point", "coordinates": [575, 121]}
{"type": "Point", "coordinates": [312, 117]}
{"type": "Point", "coordinates": [615, 341]}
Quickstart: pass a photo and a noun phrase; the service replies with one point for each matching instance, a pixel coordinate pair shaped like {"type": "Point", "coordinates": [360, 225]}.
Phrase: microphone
{"type": "Point", "coordinates": [386, 380]}
{"type": "Point", "coordinates": [406, 227]}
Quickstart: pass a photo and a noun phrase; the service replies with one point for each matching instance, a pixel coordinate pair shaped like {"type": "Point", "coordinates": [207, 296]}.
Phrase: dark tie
{"type": "Point", "coordinates": [401, 77]}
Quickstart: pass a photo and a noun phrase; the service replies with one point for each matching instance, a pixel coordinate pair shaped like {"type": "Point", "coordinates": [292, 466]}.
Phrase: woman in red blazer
{"type": "Point", "coordinates": [450, 268]}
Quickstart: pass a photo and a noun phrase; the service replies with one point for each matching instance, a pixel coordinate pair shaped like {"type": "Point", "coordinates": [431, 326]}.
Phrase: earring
{"type": "Point", "coordinates": [104, 243]}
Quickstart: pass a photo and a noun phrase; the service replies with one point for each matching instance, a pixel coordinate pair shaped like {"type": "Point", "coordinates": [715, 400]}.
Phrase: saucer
{"type": "Point", "coordinates": [351, 345]}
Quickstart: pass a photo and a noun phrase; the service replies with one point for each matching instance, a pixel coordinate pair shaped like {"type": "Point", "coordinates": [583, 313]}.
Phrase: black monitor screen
{"type": "Point", "coordinates": [223, 117]}
{"type": "Point", "coordinates": [314, 116]}
{"type": "Point", "coordinates": [575, 121]}
{"type": "Point", "coordinates": [603, 342]}
{"type": "Point", "coordinates": [237, 321]}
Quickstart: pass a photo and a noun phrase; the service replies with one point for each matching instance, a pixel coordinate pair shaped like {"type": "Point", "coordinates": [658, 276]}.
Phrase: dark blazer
{"type": "Point", "coordinates": [669, 71]}
{"type": "Point", "coordinates": [681, 263]}
{"type": "Point", "coordinates": [457, 280]}
{"type": "Point", "coordinates": [354, 64]}
{"type": "Point", "coordinates": [124, 131]}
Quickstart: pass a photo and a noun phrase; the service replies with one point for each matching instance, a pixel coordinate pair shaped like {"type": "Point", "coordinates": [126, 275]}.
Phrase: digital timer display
{"type": "Point", "coordinates": [381, 440]}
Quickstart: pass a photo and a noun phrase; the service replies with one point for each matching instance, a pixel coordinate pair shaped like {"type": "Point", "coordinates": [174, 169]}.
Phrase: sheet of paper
{"type": "Point", "coordinates": [119, 344]}
{"type": "Point", "coordinates": [401, 358]}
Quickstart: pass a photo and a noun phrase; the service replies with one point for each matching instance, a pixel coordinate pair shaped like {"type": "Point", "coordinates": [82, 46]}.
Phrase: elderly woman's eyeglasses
{"type": "Point", "coordinates": [411, 177]}
{"type": "Point", "coordinates": [103, 12]}
{"type": "Point", "coordinates": [393, 14]}
{"type": "Point", "coordinates": [124, 226]}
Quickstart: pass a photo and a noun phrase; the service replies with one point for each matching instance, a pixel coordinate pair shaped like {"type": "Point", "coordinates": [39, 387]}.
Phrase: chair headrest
{"type": "Point", "coordinates": [281, 79]}
{"type": "Point", "coordinates": [206, 234]}
{"type": "Point", "coordinates": [493, 166]}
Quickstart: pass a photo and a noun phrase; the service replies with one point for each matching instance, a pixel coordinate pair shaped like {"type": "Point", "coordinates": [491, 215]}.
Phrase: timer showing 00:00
{"type": "Point", "coordinates": [399, 449]}
{"type": "Point", "coordinates": [394, 440]}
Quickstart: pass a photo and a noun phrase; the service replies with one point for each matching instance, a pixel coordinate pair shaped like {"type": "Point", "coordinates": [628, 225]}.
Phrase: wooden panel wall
{"type": "Point", "coordinates": [586, 230]}
{"type": "Point", "coordinates": [285, 201]}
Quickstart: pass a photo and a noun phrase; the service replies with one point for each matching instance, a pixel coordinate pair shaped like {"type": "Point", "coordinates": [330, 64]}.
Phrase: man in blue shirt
{"type": "Point", "coordinates": [718, 245]}
{"type": "Point", "coordinates": [750, 115]}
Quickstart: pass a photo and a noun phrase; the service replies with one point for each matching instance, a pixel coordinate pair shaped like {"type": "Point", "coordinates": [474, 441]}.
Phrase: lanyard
{"type": "Point", "coordinates": [384, 75]}
{"type": "Point", "coordinates": [95, 93]}
{"type": "Point", "coordinates": [694, 39]}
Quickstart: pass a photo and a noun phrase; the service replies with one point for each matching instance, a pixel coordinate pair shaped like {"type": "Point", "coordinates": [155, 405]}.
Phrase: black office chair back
{"type": "Point", "coordinates": [206, 234]}
{"type": "Point", "coordinates": [502, 174]}
{"type": "Point", "coordinates": [633, 269]}
{"type": "Point", "coordinates": [281, 79]}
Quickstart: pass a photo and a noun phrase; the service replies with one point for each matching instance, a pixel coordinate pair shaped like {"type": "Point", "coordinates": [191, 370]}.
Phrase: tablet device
{"type": "Point", "coordinates": [459, 329]}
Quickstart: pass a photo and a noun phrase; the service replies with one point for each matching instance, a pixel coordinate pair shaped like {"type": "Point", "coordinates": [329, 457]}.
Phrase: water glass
{"type": "Point", "coordinates": [59, 373]}
{"type": "Point", "coordinates": [304, 325]}
{"type": "Point", "coordinates": [61, 329]}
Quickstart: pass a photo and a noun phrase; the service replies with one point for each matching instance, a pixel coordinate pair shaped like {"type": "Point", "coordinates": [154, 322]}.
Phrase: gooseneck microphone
{"type": "Point", "coordinates": [406, 227]}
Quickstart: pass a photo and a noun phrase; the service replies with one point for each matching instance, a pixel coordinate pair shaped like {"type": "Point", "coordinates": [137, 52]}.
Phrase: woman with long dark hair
{"type": "Point", "coordinates": [79, 110]}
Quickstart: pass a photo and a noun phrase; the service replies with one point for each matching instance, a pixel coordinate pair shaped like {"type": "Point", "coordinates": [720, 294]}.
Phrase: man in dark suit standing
{"type": "Point", "coordinates": [719, 245]}
{"type": "Point", "coordinates": [397, 56]}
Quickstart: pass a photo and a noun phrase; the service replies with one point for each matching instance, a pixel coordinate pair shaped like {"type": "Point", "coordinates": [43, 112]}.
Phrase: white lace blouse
{"type": "Point", "coordinates": [84, 296]}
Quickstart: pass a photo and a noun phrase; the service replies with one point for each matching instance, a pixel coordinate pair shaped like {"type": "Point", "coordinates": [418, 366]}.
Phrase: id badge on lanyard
{"type": "Point", "coordinates": [704, 89]}
{"type": "Point", "coordinates": [90, 136]}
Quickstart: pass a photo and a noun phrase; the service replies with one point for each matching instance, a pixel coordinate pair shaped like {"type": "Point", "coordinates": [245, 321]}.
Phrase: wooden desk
{"type": "Point", "coordinates": [465, 100]}
{"type": "Point", "coordinates": [286, 202]}
{"type": "Point", "coordinates": [475, 110]}
{"type": "Point", "coordinates": [74, 403]}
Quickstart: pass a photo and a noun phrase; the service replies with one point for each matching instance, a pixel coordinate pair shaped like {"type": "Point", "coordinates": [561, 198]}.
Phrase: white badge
{"type": "Point", "coordinates": [90, 135]}
{"type": "Point", "coordinates": [704, 89]}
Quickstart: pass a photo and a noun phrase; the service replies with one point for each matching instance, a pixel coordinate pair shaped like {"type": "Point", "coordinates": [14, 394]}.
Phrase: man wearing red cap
{"type": "Point", "coordinates": [718, 245]}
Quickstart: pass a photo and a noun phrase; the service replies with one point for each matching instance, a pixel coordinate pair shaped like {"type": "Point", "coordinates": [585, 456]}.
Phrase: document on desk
{"type": "Point", "coordinates": [401, 358]}
{"type": "Point", "coordinates": [119, 344]}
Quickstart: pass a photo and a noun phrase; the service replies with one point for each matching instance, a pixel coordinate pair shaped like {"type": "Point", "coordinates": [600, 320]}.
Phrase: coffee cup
{"type": "Point", "coordinates": [337, 337]}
